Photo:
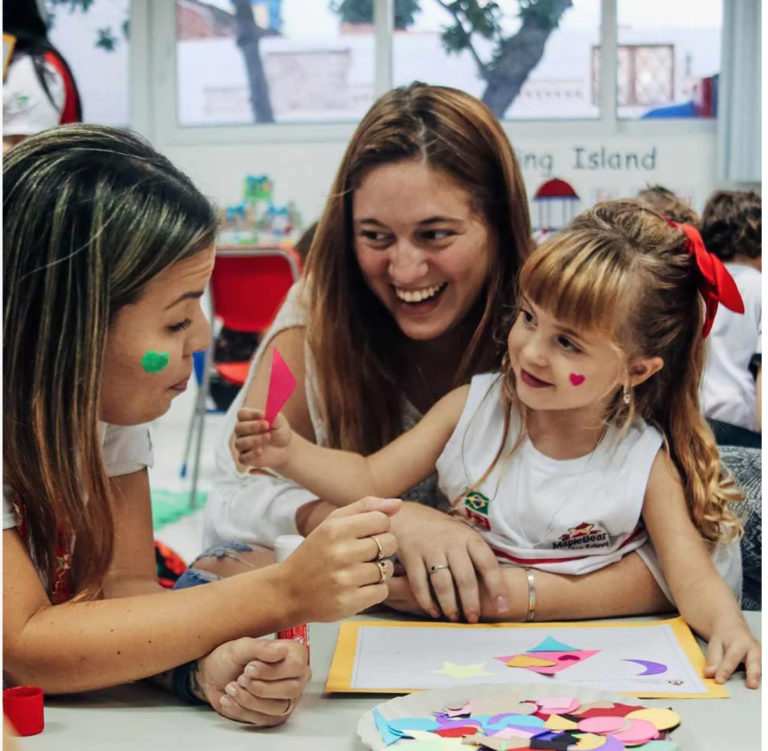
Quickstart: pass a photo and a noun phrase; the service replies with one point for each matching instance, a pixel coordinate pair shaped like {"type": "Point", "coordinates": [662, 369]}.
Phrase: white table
{"type": "Point", "coordinates": [141, 717]}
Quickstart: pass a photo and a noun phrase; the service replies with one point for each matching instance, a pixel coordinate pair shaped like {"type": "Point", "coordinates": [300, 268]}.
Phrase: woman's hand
{"type": "Point", "coordinates": [259, 444]}
{"type": "Point", "coordinates": [401, 597]}
{"type": "Point", "coordinates": [341, 568]}
{"type": "Point", "coordinates": [259, 681]}
{"type": "Point", "coordinates": [731, 644]}
{"type": "Point", "coordinates": [444, 556]}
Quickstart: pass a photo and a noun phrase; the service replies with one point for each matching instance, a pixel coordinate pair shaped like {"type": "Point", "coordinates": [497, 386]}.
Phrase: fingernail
{"type": "Point", "coordinates": [472, 617]}
{"type": "Point", "coordinates": [502, 606]}
{"type": "Point", "coordinates": [230, 689]}
{"type": "Point", "coordinates": [434, 613]}
{"type": "Point", "coordinates": [225, 701]}
{"type": "Point", "coordinates": [251, 671]}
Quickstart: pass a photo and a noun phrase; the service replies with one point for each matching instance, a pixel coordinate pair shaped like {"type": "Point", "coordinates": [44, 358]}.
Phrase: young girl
{"type": "Point", "coordinates": [591, 438]}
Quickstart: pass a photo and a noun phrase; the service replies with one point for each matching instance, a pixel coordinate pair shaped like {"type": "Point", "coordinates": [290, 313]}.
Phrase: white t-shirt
{"type": "Point", "coordinates": [568, 516]}
{"type": "Point", "coordinates": [126, 449]}
{"type": "Point", "coordinates": [728, 391]}
{"type": "Point", "coordinates": [26, 107]}
{"type": "Point", "coordinates": [258, 508]}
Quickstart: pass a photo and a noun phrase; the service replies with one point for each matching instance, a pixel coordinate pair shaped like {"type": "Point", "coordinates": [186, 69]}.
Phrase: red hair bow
{"type": "Point", "coordinates": [716, 285]}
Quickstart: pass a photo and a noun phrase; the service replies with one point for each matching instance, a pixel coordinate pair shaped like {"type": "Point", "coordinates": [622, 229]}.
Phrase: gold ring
{"type": "Point", "coordinates": [383, 575]}
{"type": "Point", "coordinates": [438, 567]}
{"type": "Point", "coordinates": [380, 554]}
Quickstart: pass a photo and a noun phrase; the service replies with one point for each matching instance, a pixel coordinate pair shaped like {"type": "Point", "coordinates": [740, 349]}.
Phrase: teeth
{"type": "Point", "coordinates": [418, 295]}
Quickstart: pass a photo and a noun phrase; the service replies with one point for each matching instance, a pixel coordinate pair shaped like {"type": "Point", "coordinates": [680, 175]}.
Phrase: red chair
{"type": "Point", "coordinates": [248, 286]}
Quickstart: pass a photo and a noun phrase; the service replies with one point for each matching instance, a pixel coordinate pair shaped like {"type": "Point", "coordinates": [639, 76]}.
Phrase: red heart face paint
{"type": "Point", "coordinates": [576, 380]}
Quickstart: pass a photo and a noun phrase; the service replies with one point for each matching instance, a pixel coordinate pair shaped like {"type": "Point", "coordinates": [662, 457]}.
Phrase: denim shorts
{"type": "Point", "coordinates": [194, 576]}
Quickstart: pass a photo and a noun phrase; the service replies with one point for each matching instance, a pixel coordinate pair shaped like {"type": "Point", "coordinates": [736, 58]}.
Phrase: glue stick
{"type": "Point", "coordinates": [284, 546]}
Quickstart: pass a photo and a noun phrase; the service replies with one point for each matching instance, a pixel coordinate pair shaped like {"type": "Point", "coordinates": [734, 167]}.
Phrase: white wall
{"type": "Point", "coordinates": [303, 172]}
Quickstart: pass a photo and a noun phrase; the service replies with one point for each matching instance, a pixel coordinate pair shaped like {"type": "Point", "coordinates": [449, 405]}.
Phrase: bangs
{"type": "Point", "coordinates": [583, 285]}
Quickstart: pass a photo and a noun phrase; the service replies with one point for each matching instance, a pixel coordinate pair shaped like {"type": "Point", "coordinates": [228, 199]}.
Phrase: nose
{"type": "Point", "coordinates": [199, 335]}
{"type": "Point", "coordinates": [407, 263]}
{"type": "Point", "coordinates": [534, 349]}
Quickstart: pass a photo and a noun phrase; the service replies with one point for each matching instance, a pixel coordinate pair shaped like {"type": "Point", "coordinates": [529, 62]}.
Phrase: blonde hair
{"type": "Point", "coordinates": [619, 268]}
{"type": "Point", "coordinates": [92, 215]}
{"type": "Point", "coordinates": [351, 335]}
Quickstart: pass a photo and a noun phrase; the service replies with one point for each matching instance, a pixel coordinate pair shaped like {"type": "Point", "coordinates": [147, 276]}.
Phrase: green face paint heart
{"type": "Point", "coordinates": [154, 362]}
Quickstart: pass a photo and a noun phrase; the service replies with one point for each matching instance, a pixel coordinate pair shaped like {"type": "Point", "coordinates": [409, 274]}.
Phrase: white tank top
{"type": "Point", "coordinates": [568, 516]}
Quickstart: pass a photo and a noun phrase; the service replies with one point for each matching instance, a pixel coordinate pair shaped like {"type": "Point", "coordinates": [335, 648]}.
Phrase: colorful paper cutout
{"type": "Point", "coordinates": [552, 645]}
{"type": "Point", "coordinates": [639, 731]}
{"type": "Point", "coordinates": [559, 661]}
{"type": "Point", "coordinates": [660, 718]}
{"type": "Point", "coordinates": [524, 661]}
{"type": "Point", "coordinates": [281, 386]}
{"type": "Point", "coordinates": [651, 668]}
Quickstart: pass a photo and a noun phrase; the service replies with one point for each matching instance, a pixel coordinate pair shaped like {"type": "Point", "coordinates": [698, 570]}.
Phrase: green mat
{"type": "Point", "coordinates": [169, 506]}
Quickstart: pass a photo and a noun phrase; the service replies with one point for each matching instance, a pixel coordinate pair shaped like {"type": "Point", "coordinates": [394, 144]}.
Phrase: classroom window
{"type": "Point", "coordinates": [94, 38]}
{"type": "Point", "coordinates": [265, 61]}
{"type": "Point", "coordinates": [668, 58]}
{"type": "Point", "coordinates": [501, 57]}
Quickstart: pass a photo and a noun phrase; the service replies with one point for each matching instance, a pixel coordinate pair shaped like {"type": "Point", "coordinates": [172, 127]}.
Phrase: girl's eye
{"type": "Point", "coordinates": [181, 325]}
{"type": "Point", "coordinates": [527, 316]}
{"type": "Point", "coordinates": [567, 344]}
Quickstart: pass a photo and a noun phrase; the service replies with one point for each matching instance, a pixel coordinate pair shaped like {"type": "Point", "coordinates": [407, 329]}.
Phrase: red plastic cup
{"type": "Point", "coordinates": [23, 706]}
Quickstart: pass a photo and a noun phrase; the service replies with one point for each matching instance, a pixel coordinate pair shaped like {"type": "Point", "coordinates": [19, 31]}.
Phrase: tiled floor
{"type": "Point", "coordinates": [168, 438]}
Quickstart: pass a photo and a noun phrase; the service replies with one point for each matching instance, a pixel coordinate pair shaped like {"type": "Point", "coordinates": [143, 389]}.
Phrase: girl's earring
{"type": "Point", "coordinates": [626, 394]}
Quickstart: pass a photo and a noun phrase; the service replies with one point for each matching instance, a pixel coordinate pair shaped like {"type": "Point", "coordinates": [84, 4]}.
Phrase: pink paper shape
{"type": "Point", "coordinates": [603, 725]}
{"type": "Point", "coordinates": [639, 731]}
{"type": "Point", "coordinates": [580, 655]}
{"type": "Point", "coordinates": [281, 386]}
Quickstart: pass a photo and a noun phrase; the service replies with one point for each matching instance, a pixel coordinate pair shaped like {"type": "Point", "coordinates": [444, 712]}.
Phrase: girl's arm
{"type": "Point", "coordinates": [79, 646]}
{"type": "Point", "coordinates": [703, 598]}
{"type": "Point", "coordinates": [340, 477]}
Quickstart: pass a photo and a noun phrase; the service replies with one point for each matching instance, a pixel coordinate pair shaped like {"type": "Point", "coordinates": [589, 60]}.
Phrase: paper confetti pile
{"type": "Point", "coordinates": [560, 723]}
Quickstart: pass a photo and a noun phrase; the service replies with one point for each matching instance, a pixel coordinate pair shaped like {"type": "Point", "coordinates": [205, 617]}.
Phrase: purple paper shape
{"type": "Point", "coordinates": [651, 668]}
{"type": "Point", "coordinates": [281, 386]}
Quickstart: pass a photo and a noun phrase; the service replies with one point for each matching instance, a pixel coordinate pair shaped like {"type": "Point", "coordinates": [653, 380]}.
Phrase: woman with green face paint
{"type": "Point", "coordinates": [107, 250]}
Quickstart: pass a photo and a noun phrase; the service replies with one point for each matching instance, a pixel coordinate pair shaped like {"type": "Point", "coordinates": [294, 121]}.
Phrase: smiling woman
{"type": "Point", "coordinates": [107, 249]}
{"type": "Point", "coordinates": [410, 284]}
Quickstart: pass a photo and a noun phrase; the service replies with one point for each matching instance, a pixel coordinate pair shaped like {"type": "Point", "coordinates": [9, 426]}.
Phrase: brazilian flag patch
{"type": "Point", "coordinates": [477, 502]}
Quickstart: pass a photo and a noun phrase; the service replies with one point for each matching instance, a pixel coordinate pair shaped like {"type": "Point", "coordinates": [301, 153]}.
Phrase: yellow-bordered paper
{"type": "Point", "coordinates": [646, 659]}
{"type": "Point", "coordinates": [9, 42]}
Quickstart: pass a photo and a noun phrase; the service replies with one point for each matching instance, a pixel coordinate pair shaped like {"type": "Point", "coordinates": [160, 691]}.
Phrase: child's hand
{"type": "Point", "coordinates": [731, 644]}
{"type": "Point", "coordinates": [260, 444]}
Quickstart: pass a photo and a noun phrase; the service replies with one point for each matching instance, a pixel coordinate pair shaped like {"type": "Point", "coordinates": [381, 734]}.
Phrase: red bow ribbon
{"type": "Point", "coordinates": [716, 285]}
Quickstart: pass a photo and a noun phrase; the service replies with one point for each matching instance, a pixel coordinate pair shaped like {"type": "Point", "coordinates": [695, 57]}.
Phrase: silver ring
{"type": "Point", "coordinates": [438, 567]}
{"type": "Point", "coordinates": [380, 555]}
{"type": "Point", "coordinates": [383, 576]}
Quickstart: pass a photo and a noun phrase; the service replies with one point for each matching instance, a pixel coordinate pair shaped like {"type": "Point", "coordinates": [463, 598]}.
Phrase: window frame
{"type": "Point", "coordinates": [153, 92]}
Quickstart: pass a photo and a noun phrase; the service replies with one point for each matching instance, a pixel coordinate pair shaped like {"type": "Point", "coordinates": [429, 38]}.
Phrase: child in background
{"type": "Point", "coordinates": [591, 435]}
{"type": "Point", "coordinates": [731, 386]}
{"type": "Point", "coordinates": [667, 203]}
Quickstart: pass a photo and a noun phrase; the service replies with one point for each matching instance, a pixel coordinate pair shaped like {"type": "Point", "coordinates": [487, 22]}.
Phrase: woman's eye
{"type": "Point", "coordinates": [437, 234]}
{"type": "Point", "coordinates": [567, 344]}
{"type": "Point", "coordinates": [181, 325]}
{"type": "Point", "coordinates": [375, 237]}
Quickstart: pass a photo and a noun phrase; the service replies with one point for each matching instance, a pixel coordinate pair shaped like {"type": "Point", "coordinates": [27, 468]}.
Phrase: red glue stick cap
{"type": "Point", "coordinates": [23, 706]}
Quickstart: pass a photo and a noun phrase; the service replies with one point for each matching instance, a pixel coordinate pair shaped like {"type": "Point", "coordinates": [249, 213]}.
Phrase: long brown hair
{"type": "Point", "coordinates": [621, 269]}
{"type": "Point", "coordinates": [91, 216]}
{"type": "Point", "coordinates": [351, 335]}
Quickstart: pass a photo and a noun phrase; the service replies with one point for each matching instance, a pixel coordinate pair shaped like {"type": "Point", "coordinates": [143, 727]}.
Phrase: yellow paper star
{"type": "Point", "coordinates": [462, 671]}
